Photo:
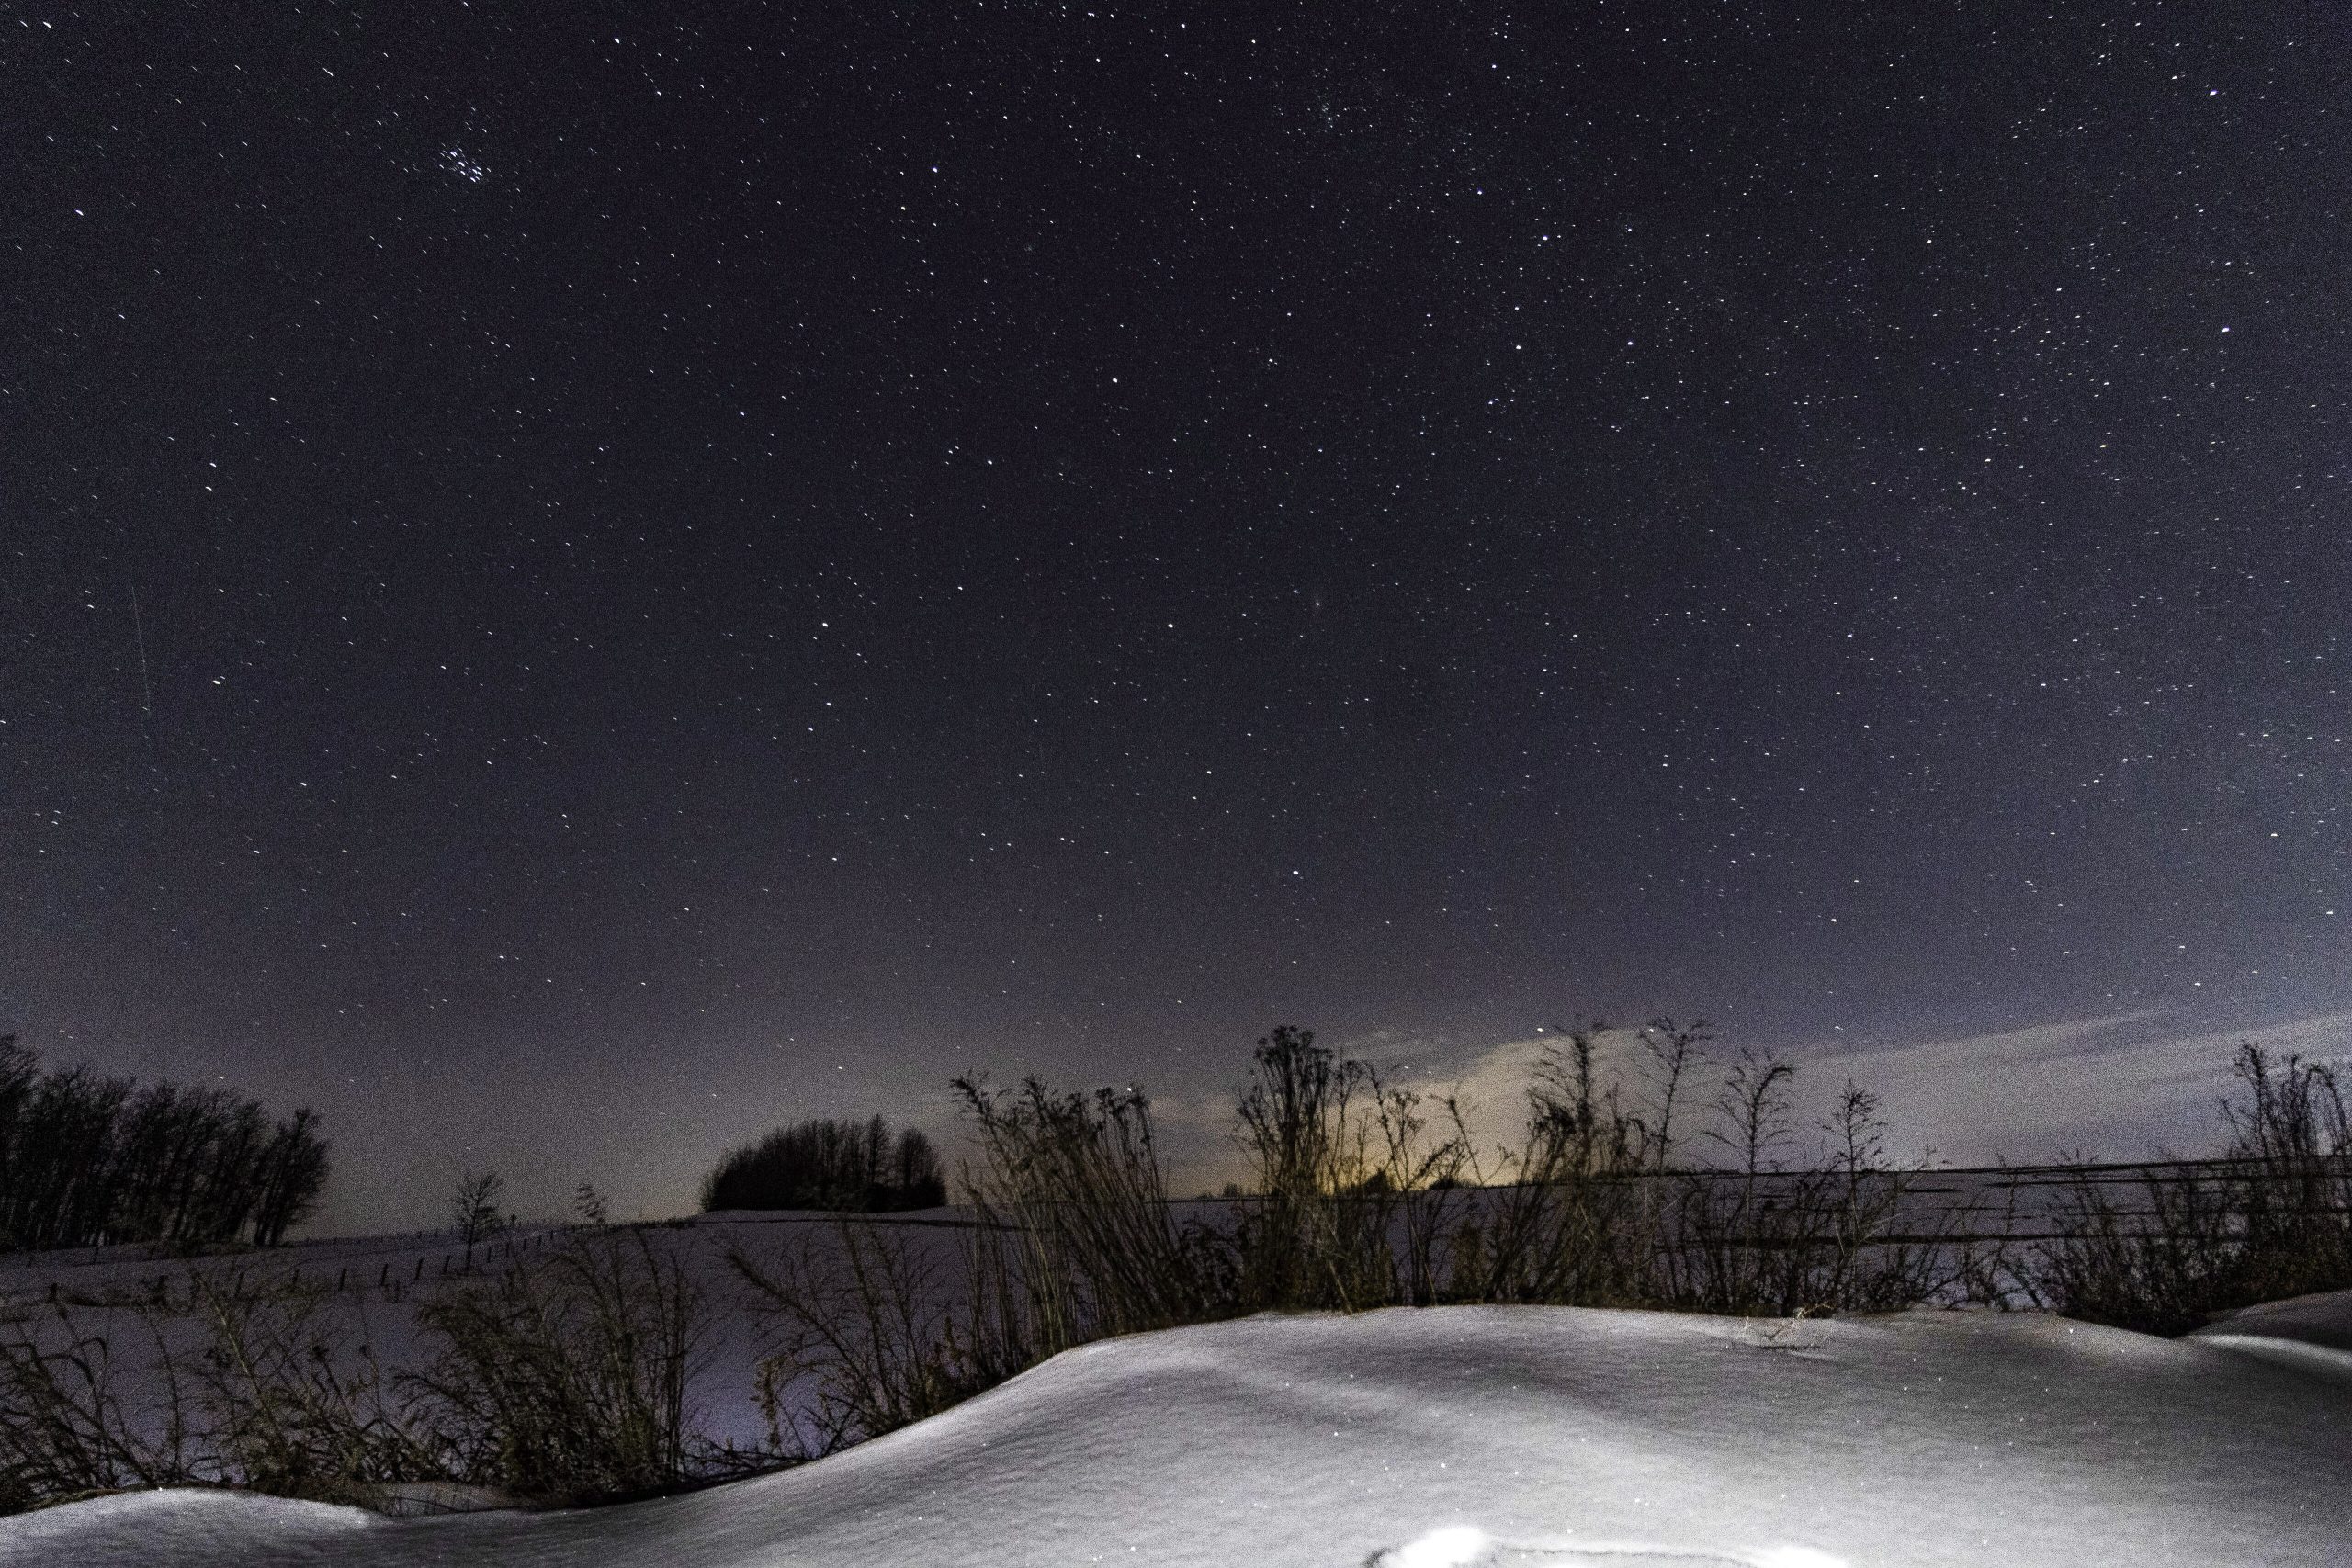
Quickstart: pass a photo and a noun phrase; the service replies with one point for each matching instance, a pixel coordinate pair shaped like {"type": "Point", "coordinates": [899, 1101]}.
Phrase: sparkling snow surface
{"type": "Point", "coordinates": [1479, 1436]}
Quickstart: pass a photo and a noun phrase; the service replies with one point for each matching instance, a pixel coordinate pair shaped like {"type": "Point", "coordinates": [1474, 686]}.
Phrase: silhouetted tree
{"type": "Point", "coordinates": [85, 1159]}
{"type": "Point", "coordinates": [475, 1206]}
{"type": "Point", "coordinates": [294, 1171]}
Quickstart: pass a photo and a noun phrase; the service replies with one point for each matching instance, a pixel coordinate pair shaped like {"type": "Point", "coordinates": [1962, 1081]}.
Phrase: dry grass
{"type": "Point", "coordinates": [2271, 1219]}
{"type": "Point", "coordinates": [68, 1427]}
{"type": "Point", "coordinates": [864, 1339]}
{"type": "Point", "coordinates": [286, 1404]}
{"type": "Point", "coordinates": [562, 1380]}
{"type": "Point", "coordinates": [566, 1380]}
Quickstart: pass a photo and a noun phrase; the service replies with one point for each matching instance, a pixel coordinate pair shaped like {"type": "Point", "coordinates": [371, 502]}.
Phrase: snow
{"type": "Point", "coordinates": [1474, 1437]}
{"type": "Point", "coordinates": [2311, 1332]}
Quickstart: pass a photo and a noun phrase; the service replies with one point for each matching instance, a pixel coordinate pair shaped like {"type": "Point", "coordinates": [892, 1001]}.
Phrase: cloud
{"type": "Point", "coordinates": [2118, 1086]}
{"type": "Point", "coordinates": [1195, 1132]}
{"type": "Point", "coordinates": [2041, 1042]}
{"type": "Point", "coordinates": [2122, 1085]}
{"type": "Point", "coordinates": [1490, 1085]}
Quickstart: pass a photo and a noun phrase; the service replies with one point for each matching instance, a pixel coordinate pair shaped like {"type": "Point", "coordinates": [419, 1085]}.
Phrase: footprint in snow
{"type": "Point", "coordinates": [1466, 1546]}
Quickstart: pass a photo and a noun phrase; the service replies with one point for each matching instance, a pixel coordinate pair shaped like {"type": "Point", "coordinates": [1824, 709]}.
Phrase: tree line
{"type": "Point", "coordinates": [825, 1164]}
{"type": "Point", "coordinates": [86, 1159]}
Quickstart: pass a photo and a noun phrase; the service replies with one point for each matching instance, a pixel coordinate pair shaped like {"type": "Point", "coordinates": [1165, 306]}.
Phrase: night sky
{"type": "Point", "coordinates": [578, 582]}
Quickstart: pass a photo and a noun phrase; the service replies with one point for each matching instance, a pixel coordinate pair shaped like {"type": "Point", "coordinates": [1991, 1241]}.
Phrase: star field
{"type": "Point", "coordinates": [577, 585]}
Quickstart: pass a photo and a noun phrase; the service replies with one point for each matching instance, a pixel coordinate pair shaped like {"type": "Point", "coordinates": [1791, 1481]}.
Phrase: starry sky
{"type": "Point", "coordinates": [580, 582]}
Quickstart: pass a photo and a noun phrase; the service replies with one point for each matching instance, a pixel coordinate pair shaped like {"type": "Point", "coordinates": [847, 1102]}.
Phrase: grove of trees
{"type": "Point", "coordinates": [825, 1164]}
{"type": "Point", "coordinates": [86, 1159]}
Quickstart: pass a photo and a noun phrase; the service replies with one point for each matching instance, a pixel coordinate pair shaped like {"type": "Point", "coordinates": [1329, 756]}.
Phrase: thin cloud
{"type": "Point", "coordinates": [2118, 1086]}
{"type": "Point", "coordinates": [2067, 1037]}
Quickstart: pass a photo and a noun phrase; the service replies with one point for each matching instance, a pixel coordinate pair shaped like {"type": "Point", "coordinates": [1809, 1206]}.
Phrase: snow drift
{"type": "Point", "coordinates": [1463, 1436]}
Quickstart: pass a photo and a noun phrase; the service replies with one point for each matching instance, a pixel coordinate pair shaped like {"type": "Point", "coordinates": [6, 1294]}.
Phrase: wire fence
{"type": "Point", "coordinates": [1982, 1206]}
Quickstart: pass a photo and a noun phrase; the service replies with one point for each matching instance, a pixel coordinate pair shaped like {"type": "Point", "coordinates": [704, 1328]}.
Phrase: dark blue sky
{"type": "Point", "coordinates": [701, 565]}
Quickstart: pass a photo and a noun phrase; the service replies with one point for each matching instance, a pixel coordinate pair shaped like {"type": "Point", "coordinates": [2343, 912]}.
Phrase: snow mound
{"type": "Point", "coordinates": [1459, 1437]}
{"type": "Point", "coordinates": [2311, 1332]}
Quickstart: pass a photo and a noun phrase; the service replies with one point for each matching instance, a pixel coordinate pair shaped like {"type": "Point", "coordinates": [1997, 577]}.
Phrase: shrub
{"type": "Point", "coordinates": [67, 1428]}
{"type": "Point", "coordinates": [1353, 1205]}
{"type": "Point", "coordinates": [823, 1164]}
{"type": "Point", "coordinates": [269, 1403]}
{"type": "Point", "coordinates": [2271, 1219]}
{"type": "Point", "coordinates": [289, 1407]}
{"type": "Point", "coordinates": [1597, 1211]}
{"type": "Point", "coordinates": [1573, 1223]}
{"type": "Point", "coordinates": [1759, 1239]}
{"type": "Point", "coordinates": [565, 1380]}
{"type": "Point", "coordinates": [864, 1337]}
{"type": "Point", "coordinates": [1072, 1239]}
{"type": "Point", "coordinates": [1359, 1204]}
{"type": "Point", "coordinates": [1074, 1235]}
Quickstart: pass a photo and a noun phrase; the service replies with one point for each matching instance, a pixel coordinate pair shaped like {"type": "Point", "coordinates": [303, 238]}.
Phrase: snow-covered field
{"type": "Point", "coordinates": [372, 1286]}
{"type": "Point", "coordinates": [1415, 1438]}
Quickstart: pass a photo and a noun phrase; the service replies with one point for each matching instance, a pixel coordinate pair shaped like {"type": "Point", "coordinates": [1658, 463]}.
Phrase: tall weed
{"type": "Point", "coordinates": [1076, 1239]}
{"type": "Point", "coordinates": [289, 1406]}
{"type": "Point", "coordinates": [70, 1428]}
{"type": "Point", "coordinates": [566, 1380]}
{"type": "Point", "coordinates": [1569, 1221]}
{"type": "Point", "coordinates": [2272, 1218]}
{"type": "Point", "coordinates": [863, 1338]}
{"type": "Point", "coordinates": [1355, 1199]}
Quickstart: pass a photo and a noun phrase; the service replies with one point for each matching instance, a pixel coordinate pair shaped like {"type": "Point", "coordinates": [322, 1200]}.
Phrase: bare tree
{"type": "Point", "coordinates": [474, 1205]}
{"type": "Point", "coordinates": [86, 1159]}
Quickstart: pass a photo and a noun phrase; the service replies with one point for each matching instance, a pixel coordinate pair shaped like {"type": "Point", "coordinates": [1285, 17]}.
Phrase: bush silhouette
{"type": "Point", "coordinates": [2270, 1219]}
{"type": "Point", "coordinates": [827, 1163]}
